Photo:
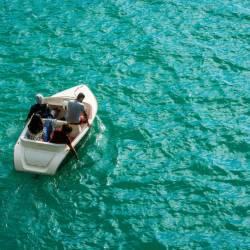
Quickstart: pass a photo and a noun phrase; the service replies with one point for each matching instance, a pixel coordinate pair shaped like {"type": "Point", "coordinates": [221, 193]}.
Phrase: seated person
{"type": "Point", "coordinates": [39, 108]}
{"type": "Point", "coordinates": [75, 111]}
{"type": "Point", "coordinates": [61, 137]}
{"type": "Point", "coordinates": [35, 128]}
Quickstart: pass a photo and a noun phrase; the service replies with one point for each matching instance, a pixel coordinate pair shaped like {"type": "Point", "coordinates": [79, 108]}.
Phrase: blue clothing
{"type": "Point", "coordinates": [47, 129]}
{"type": "Point", "coordinates": [74, 111]}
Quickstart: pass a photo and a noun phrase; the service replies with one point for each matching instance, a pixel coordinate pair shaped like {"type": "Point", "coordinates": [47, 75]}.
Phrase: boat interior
{"type": "Point", "coordinates": [59, 112]}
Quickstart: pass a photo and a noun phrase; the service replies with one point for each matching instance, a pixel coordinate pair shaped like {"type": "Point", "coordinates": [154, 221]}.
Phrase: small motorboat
{"type": "Point", "coordinates": [44, 157]}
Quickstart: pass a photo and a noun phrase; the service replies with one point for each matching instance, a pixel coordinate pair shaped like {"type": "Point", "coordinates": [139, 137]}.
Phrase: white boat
{"type": "Point", "coordinates": [45, 157]}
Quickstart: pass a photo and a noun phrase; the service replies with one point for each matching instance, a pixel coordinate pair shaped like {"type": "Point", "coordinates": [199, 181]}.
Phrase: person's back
{"type": "Point", "coordinates": [39, 108]}
{"type": "Point", "coordinates": [35, 128]}
{"type": "Point", "coordinates": [74, 111]}
{"type": "Point", "coordinates": [61, 137]}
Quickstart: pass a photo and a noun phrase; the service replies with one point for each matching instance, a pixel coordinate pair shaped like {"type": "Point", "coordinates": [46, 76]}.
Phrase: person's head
{"type": "Point", "coordinates": [66, 129]}
{"type": "Point", "coordinates": [39, 99]}
{"type": "Point", "coordinates": [36, 125]}
{"type": "Point", "coordinates": [80, 97]}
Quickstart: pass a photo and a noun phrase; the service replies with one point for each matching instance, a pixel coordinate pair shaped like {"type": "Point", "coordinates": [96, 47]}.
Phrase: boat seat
{"type": "Point", "coordinates": [59, 123]}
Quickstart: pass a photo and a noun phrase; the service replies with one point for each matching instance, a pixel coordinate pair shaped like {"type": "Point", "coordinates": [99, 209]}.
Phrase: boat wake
{"type": "Point", "coordinates": [96, 144]}
{"type": "Point", "coordinates": [101, 129]}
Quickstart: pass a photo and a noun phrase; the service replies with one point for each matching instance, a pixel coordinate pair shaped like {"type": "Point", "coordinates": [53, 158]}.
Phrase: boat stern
{"type": "Point", "coordinates": [38, 157]}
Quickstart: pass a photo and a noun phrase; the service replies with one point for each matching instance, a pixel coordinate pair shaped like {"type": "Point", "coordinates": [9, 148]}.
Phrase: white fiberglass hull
{"type": "Point", "coordinates": [44, 157]}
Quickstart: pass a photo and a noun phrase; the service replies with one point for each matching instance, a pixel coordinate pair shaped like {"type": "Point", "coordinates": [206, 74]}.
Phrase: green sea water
{"type": "Point", "coordinates": [166, 164]}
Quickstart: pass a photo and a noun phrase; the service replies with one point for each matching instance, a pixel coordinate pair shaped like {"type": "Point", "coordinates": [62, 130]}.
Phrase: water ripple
{"type": "Point", "coordinates": [166, 164]}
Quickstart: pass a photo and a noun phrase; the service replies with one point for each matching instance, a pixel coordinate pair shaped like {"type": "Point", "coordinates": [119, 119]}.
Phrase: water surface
{"type": "Point", "coordinates": [166, 164]}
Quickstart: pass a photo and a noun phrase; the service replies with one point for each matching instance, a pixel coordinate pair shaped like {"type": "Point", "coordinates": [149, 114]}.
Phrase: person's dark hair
{"type": "Point", "coordinates": [36, 125]}
{"type": "Point", "coordinates": [66, 129]}
{"type": "Point", "coordinates": [80, 95]}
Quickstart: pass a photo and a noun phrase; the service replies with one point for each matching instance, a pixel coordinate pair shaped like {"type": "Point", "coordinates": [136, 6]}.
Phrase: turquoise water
{"type": "Point", "coordinates": [166, 164]}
